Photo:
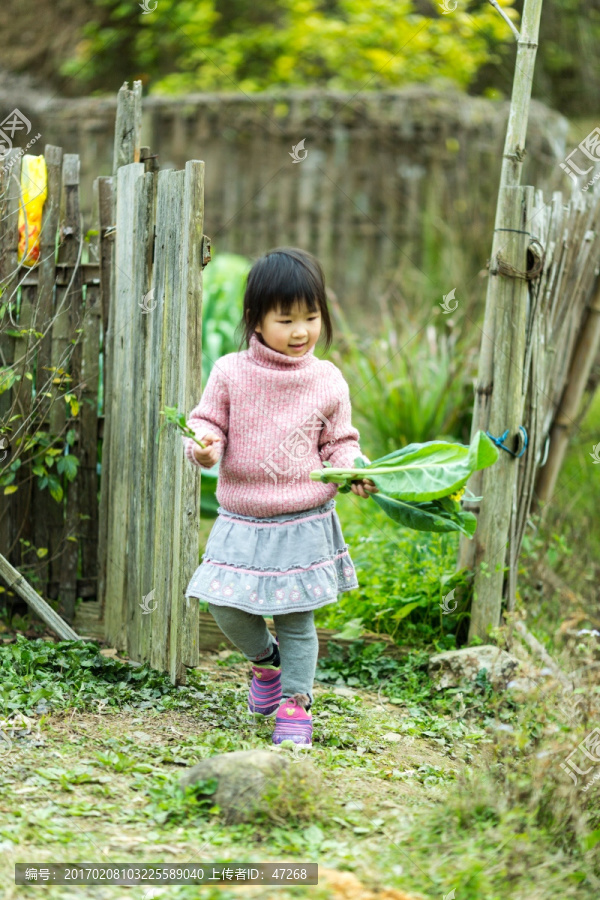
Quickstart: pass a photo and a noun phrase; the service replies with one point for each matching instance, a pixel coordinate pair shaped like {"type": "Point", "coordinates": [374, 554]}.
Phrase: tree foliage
{"type": "Point", "coordinates": [232, 45]}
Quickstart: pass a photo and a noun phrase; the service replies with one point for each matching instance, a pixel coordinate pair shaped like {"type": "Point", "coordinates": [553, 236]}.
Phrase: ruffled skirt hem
{"type": "Point", "coordinates": [294, 591]}
{"type": "Point", "coordinates": [282, 564]}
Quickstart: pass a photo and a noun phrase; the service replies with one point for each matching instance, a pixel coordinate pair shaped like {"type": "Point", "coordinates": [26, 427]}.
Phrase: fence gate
{"type": "Point", "coordinates": [153, 250]}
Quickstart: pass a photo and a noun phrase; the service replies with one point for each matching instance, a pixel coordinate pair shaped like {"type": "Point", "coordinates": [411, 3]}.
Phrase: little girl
{"type": "Point", "coordinates": [272, 414]}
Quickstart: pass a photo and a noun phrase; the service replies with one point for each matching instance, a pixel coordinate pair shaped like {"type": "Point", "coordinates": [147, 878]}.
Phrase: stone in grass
{"type": "Point", "coordinates": [249, 781]}
{"type": "Point", "coordinates": [455, 666]}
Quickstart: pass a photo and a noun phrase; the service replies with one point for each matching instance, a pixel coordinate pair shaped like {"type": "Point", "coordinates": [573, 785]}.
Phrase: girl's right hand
{"type": "Point", "coordinates": [208, 455]}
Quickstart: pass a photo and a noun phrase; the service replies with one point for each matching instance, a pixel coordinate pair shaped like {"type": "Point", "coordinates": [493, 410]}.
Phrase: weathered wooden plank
{"type": "Point", "coordinates": [120, 480]}
{"type": "Point", "coordinates": [104, 191]}
{"type": "Point", "coordinates": [70, 252]}
{"type": "Point", "coordinates": [128, 126]}
{"type": "Point", "coordinates": [10, 175]}
{"type": "Point", "coordinates": [167, 292]}
{"type": "Point", "coordinates": [486, 609]}
{"type": "Point", "coordinates": [44, 509]}
{"type": "Point", "coordinates": [25, 352]}
{"type": "Point", "coordinates": [88, 441]}
{"type": "Point", "coordinates": [186, 546]}
{"type": "Point", "coordinates": [16, 581]}
{"type": "Point", "coordinates": [146, 320]}
{"type": "Point", "coordinates": [23, 368]}
{"type": "Point", "coordinates": [506, 411]}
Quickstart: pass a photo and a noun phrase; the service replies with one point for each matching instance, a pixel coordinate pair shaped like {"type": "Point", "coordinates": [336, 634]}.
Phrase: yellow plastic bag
{"type": "Point", "coordinates": [34, 189]}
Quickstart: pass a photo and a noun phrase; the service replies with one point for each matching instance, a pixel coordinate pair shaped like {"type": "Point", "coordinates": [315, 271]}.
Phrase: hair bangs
{"type": "Point", "coordinates": [279, 280]}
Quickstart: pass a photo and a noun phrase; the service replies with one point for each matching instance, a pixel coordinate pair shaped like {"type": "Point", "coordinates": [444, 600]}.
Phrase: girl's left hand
{"type": "Point", "coordinates": [361, 487]}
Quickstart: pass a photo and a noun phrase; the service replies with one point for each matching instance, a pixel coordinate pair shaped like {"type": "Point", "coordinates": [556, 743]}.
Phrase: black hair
{"type": "Point", "coordinates": [280, 278]}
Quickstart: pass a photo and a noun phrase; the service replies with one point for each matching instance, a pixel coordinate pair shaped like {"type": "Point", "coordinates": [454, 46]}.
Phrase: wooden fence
{"type": "Point", "coordinates": [50, 332]}
{"type": "Point", "coordinates": [396, 193]}
{"type": "Point", "coordinates": [150, 503]}
{"type": "Point", "coordinates": [559, 309]}
{"type": "Point", "coordinates": [137, 307]}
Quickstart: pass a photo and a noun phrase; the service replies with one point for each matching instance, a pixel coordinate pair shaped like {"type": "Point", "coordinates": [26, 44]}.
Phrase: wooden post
{"type": "Point", "coordinates": [68, 320]}
{"type": "Point", "coordinates": [506, 410]}
{"type": "Point", "coordinates": [505, 305]}
{"type": "Point", "coordinates": [128, 126]}
{"type": "Point", "coordinates": [10, 178]}
{"type": "Point", "coordinates": [104, 188]}
{"type": "Point", "coordinates": [47, 513]}
{"type": "Point", "coordinates": [581, 366]}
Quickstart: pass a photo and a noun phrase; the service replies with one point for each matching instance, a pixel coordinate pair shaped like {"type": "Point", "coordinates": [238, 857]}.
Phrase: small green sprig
{"type": "Point", "coordinates": [173, 417]}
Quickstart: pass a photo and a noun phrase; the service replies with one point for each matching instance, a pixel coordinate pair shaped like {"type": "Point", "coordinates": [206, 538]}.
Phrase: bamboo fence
{"type": "Point", "coordinates": [541, 298]}
{"type": "Point", "coordinates": [560, 331]}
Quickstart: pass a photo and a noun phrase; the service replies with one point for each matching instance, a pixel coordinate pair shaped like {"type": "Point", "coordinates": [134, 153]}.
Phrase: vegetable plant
{"type": "Point", "coordinates": [421, 485]}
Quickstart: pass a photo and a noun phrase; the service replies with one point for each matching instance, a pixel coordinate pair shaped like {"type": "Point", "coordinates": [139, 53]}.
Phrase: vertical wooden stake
{"type": "Point", "coordinates": [498, 335]}
{"type": "Point", "coordinates": [506, 411]}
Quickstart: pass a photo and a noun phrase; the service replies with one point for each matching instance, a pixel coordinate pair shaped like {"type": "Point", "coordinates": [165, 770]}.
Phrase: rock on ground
{"type": "Point", "coordinates": [243, 776]}
{"type": "Point", "coordinates": [455, 666]}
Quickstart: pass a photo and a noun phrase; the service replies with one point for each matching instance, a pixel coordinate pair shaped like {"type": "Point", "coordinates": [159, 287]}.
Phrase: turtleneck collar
{"type": "Point", "coordinates": [273, 359]}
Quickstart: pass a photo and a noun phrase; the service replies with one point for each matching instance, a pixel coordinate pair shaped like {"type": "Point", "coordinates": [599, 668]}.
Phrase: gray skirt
{"type": "Point", "coordinates": [289, 563]}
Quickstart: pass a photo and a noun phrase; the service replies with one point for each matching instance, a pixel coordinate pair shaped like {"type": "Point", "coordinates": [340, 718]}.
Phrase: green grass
{"type": "Point", "coordinates": [468, 795]}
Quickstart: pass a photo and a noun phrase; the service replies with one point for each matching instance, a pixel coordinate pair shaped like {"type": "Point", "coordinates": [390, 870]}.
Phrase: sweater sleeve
{"type": "Point", "coordinates": [211, 414]}
{"type": "Point", "coordinates": [338, 441]}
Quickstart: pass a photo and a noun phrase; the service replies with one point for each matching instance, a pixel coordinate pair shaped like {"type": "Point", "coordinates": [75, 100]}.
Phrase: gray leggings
{"type": "Point", "coordinates": [296, 636]}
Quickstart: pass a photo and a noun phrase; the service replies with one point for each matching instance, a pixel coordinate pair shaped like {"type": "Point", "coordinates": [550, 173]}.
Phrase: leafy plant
{"type": "Point", "coordinates": [411, 384]}
{"type": "Point", "coordinates": [171, 804]}
{"type": "Point", "coordinates": [420, 485]}
{"type": "Point", "coordinates": [38, 675]}
{"type": "Point", "coordinates": [174, 417]}
{"type": "Point", "coordinates": [403, 576]}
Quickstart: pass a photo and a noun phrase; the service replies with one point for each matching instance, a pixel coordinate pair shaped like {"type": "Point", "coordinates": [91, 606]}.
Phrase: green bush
{"type": "Point", "coordinates": [412, 384]}
{"type": "Point", "coordinates": [403, 576]}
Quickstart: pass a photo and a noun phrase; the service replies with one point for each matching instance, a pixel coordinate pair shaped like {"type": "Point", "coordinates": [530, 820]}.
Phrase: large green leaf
{"type": "Point", "coordinates": [415, 483]}
{"type": "Point", "coordinates": [429, 516]}
{"type": "Point", "coordinates": [432, 470]}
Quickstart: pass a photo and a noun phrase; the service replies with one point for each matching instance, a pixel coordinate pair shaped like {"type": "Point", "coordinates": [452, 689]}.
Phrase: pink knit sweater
{"type": "Point", "coordinates": [278, 417]}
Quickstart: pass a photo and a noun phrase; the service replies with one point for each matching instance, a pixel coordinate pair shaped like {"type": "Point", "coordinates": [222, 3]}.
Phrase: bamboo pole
{"type": "Point", "coordinates": [496, 332]}
{"type": "Point", "coordinates": [581, 366]}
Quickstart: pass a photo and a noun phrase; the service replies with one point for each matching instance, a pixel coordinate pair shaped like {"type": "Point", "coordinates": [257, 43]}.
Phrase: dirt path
{"type": "Point", "coordinates": [75, 788]}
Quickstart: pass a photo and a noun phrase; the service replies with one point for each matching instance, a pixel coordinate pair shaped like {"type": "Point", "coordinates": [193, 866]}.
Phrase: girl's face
{"type": "Point", "coordinates": [294, 334]}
